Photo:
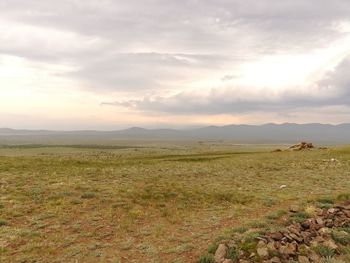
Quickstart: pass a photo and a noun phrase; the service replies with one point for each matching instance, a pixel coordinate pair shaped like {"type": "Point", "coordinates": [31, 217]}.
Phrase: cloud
{"type": "Point", "coordinates": [338, 81]}
{"type": "Point", "coordinates": [133, 45]}
{"type": "Point", "coordinates": [332, 90]}
{"type": "Point", "coordinates": [147, 71]}
{"type": "Point", "coordinates": [179, 57]}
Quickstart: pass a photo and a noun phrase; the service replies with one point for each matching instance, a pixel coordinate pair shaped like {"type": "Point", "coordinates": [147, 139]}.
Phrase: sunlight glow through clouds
{"type": "Point", "coordinates": [292, 70]}
{"type": "Point", "coordinates": [115, 64]}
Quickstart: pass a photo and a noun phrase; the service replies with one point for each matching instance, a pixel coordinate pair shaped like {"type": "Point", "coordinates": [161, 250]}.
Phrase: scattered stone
{"type": "Point", "coordinates": [289, 249]}
{"type": "Point", "coordinates": [331, 244]}
{"type": "Point", "coordinates": [271, 247]}
{"type": "Point", "coordinates": [319, 221]}
{"type": "Point", "coordinates": [276, 236]}
{"type": "Point", "coordinates": [323, 148]}
{"type": "Point", "coordinates": [275, 260]}
{"type": "Point", "coordinates": [296, 242]}
{"type": "Point", "coordinates": [283, 186]}
{"type": "Point", "coordinates": [303, 259]}
{"type": "Point", "coordinates": [231, 244]}
{"type": "Point", "coordinates": [314, 257]}
{"type": "Point", "coordinates": [277, 150]}
{"type": "Point", "coordinates": [220, 253]}
{"type": "Point", "coordinates": [302, 146]}
{"type": "Point", "coordinates": [262, 252]}
{"type": "Point", "coordinates": [294, 208]}
{"type": "Point", "coordinates": [306, 224]}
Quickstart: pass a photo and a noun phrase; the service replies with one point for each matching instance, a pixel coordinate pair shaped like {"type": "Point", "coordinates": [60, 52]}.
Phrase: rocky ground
{"type": "Point", "coordinates": [321, 238]}
{"type": "Point", "coordinates": [302, 146]}
{"type": "Point", "coordinates": [299, 147]}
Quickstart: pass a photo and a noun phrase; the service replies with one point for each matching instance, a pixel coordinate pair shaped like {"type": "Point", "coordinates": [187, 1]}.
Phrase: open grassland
{"type": "Point", "coordinates": [153, 203]}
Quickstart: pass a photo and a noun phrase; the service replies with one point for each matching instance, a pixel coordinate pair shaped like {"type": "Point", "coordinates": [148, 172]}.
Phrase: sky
{"type": "Point", "coordinates": [112, 64]}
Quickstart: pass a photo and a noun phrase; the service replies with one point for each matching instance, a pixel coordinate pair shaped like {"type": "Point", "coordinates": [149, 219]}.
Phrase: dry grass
{"type": "Point", "coordinates": [149, 204]}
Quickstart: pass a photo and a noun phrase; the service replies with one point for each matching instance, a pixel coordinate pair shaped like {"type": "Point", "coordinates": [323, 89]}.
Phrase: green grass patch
{"type": "Point", "coordinates": [207, 258]}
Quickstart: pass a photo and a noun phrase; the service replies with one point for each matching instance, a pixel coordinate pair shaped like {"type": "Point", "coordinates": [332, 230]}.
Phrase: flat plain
{"type": "Point", "coordinates": [150, 202]}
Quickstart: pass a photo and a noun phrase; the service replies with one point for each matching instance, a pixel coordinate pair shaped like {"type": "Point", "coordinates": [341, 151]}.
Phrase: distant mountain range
{"type": "Point", "coordinates": [267, 133]}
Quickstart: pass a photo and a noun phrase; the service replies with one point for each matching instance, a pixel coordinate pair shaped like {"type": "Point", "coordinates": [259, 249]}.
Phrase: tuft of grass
{"type": "Point", "coordinates": [324, 205]}
{"type": "Point", "coordinates": [89, 195]}
{"type": "Point", "coordinates": [212, 248]}
{"type": "Point", "coordinates": [3, 222]}
{"type": "Point", "coordinates": [341, 237]}
{"type": "Point", "coordinates": [232, 254]}
{"type": "Point", "coordinates": [276, 215]}
{"type": "Point", "coordinates": [346, 229]}
{"type": "Point", "coordinates": [240, 229]}
{"type": "Point", "coordinates": [333, 260]}
{"type": "Point", "coordinates": [207, 258]}
{"type": "Point", "coordinates": [325, 200]}
{"type": "Point", "coordinates": [269, 202]}
{"type": "Point", "coordinates": [76, 202]}
{"type": "Point", "coordinates": [257, 224]}
{"type": "Point", "coordinates": [299, 217]}
{"type": "Point", "coordinates": [343, 197]}
{"type": "Point", "coordinates": [324, 251]}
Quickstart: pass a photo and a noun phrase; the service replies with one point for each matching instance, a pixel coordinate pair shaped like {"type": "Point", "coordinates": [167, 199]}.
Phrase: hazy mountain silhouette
{"type": "Point", "coordinates": [267, 133]}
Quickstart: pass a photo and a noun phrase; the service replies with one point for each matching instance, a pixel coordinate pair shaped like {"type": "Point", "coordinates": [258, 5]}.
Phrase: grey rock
{"type": "Point", "coordinates": [263, 252]}
{"type": "Point", "coordinates": [220, 253]}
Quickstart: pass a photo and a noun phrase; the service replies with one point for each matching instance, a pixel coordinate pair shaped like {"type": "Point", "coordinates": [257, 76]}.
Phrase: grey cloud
{"type": "Point", "coordinates": [338, 80]}
{"type": "Point", "coordinates": [147, 71]}
{"type": "Point", "coordinates": [208, 32]}
{"type": "Point", "coordinates": [332, 90]}
{"type": "Point", "coordinates": [188, 26]}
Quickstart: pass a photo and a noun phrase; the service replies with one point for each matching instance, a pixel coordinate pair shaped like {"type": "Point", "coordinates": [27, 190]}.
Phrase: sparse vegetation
{"type": "Point", "coordinates": [159, 203]}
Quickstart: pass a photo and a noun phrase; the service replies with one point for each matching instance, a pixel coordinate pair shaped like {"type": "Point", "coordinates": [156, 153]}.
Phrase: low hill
{"type": "Point", "coordinates": [267, 133]}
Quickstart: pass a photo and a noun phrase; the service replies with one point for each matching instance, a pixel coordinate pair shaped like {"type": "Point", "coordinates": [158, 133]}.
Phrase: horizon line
{"type": "Point", "coordinates": [175, 129]}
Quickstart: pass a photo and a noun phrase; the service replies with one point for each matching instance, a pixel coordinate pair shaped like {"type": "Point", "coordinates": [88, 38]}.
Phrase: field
{"type": "Point", "coordinates": [151, 202]}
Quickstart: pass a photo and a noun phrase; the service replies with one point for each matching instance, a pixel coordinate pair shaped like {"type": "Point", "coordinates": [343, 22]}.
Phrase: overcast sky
{"type": "Point", "coordinates": [110, 64]}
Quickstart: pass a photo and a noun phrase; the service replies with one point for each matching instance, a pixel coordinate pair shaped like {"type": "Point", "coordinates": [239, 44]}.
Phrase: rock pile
{"type": "Point", "coordinates": [304, 242]}
{"type": "Point", "coordinates": [302, 146]}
